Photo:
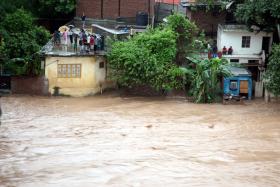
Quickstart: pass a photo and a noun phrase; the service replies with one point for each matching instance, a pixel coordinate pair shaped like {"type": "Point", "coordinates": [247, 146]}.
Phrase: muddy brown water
{"type": "Point", "coordinates": [113, 141]}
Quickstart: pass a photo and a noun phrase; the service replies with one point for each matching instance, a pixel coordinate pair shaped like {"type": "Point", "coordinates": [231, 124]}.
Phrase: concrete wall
{"type": "Point", "coordinates": [89, 82]}
{"type": "Point", "coordinates": [128, 8]}
{"type": "Point", "coordinates": [234, 39]}
{"type": "Point", "coordinates": [29, 85]}
{"type": "Point", "coordinates": [206, 20]}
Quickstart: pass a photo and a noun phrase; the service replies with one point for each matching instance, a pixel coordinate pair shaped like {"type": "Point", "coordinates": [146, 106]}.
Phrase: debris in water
{"type": "Point", "coordinates": [149, 126]}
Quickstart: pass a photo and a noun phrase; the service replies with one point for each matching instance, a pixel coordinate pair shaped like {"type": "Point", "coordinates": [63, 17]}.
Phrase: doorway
{"type": "Point", "coordinates": [266, 44]}
{"type": "Point", "coordinates": [243, 88]}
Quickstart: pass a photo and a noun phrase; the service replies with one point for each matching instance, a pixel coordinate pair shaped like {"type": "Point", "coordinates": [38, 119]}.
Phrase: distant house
{"type": "Point", "coordinates": [75, 75]}
{"type": "Point", "coordinates": [249, 48]}
{"type": "Point", "coordinates": [78, 73]}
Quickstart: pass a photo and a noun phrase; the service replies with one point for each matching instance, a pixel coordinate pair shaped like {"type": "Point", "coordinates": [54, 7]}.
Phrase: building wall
{"type": "Point", "coordinates": [89, 82]}
{"type": "Point", "coordinates": [227, 89]}
{"type": "Point", "coordinates": [207, 21]}
{"type": "Point", "coordinates": [128, 8]}
{"type": "Point", "coordinates": [234, 39]}
{"type": "Point", "coordinates": [21, 85]}
{"type": "Point", "coordinates": [110, 9]}
{"type": "Point", "coordinates": [91, 8]}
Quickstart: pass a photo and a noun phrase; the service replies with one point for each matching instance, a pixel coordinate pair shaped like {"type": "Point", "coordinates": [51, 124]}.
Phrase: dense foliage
{"type": "Point", "coordinates": [206, 77]}
{"type": "Point", "coordinates": [151, 59]}
{"type": "Point", "coordinates": [147, 59]}
{"type": "Point", "coordinates": [58, 8]}
{"type": "Point", "coordinates": [21, 40]}
{"type": "Point", "coordinates": [272, 75]}
{"type": "Point", "coordinates": [186, 32]}
{"type": "Point", "coordinates": [50, 9]}
{"type": "Point", "coordinates": [263, 13]}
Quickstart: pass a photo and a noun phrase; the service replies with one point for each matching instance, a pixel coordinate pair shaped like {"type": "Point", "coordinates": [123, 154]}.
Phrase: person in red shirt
{"type": "Point", "coordinates": [225, 50]}
{"type": "Point", "coordinates": [91, 42]}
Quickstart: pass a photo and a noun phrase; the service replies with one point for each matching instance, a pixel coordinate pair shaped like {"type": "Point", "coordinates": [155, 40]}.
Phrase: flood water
{"type": "Point", "coordinates": [151, 142]}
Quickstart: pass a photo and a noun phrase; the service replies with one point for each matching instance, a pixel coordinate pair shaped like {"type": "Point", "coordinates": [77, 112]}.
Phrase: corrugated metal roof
{"type": "Point", "coordinates": [236, 71]}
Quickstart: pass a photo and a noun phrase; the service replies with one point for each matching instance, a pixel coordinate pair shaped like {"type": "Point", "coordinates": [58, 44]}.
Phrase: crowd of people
{"type": "Point", "coordinates": [77, 40]}
{"type": "Point", "coordinates": [213, 51]}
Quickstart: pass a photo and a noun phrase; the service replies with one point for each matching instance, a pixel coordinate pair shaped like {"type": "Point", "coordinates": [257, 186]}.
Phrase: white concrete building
{"type": "Point", "coordinates": [249, 48]}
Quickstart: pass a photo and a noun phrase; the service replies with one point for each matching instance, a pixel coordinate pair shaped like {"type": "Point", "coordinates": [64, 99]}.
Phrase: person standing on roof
{"type": "Point", "coordinates": [65, 40]}
{"type": "Point", "coordinates": [83, 20]}
{"type": "Point", "coordinates": [75, 42]}
{"type": "Point", "coordinates": [91, 42]}
{"type": "Point", "coordinates": [70, 33]}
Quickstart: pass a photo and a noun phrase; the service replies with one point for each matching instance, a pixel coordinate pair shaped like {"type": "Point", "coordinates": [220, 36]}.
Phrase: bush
{"type": "Point", "coordinates": [147, 59]}
{"type": "Point", "coordinates": [272, 75]}
{"type": "Point", "coordinates": [22, 40]}
{"type": "Point", "coordinates": [205, 87]}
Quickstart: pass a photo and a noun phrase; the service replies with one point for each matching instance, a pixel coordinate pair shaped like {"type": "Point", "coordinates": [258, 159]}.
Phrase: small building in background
{"type": "Point", "coordinates": [249, 48]}
{"type": "Point", "coordinates": [240, 83]}
{"type": "Point", "coordinates": [76, 75]}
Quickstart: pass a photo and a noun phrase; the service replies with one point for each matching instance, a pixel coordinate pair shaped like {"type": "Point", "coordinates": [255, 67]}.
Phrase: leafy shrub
{"type": "Point", "coordinates": [272, 75]}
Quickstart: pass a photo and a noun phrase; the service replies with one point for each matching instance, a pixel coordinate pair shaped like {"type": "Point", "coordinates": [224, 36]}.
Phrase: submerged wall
{"type": "Point", "coordinates": [29, 85]}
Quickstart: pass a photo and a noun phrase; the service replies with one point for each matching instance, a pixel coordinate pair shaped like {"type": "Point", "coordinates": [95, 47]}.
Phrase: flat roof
{"type": "Point", "coordinates": [111, 31]}
{"type": "Point", "coordinates": [240, 28]}
{"type": "Point", "coordinates": [237, 71]}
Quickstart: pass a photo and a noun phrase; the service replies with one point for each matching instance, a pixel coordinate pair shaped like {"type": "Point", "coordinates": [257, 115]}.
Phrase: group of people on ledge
{"type": "Point", "coordinates": [213, 51]}
{"type": "Point", "coordinates": [228, 51]}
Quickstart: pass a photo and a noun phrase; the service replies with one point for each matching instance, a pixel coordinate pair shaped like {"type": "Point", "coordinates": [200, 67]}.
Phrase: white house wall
{"type": "Point", "coordinates": [234, 39]}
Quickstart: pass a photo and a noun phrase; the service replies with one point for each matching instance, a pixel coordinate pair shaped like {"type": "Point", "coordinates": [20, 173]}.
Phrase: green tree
{"type": "Point", "coordinates": [40, 8]}
{"type": "Point", "coordinates": [265, 14]}
{"type": "Point", "coordinates": [262, 13]}
{"type": "Point", "coordinates": [272, 75]}
{"type": "Point", "coordinates": [205, 87]}
{"type": "Point", "coordinates": [7, 6]}
{"type": "Point", "coordinates": [146, 59]}
{"type": "Point", "coordinates": [22, 40]}
{"type": "Point", "coordinates": [186, 32]}
{"type": "Point", "coordinates": [58, 8]}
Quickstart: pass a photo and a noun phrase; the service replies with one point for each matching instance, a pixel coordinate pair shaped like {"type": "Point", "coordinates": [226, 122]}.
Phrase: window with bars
{"type": "Point", "coordinates": [233, 85]}
{"type": "Point", "coordinates": [246, 40]}
{"type": "Point", "coordinates": [69, 70]}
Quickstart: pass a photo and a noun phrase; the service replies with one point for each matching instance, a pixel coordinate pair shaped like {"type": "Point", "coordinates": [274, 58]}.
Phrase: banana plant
{"type": "Point", "coordinates": [205, 87]}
